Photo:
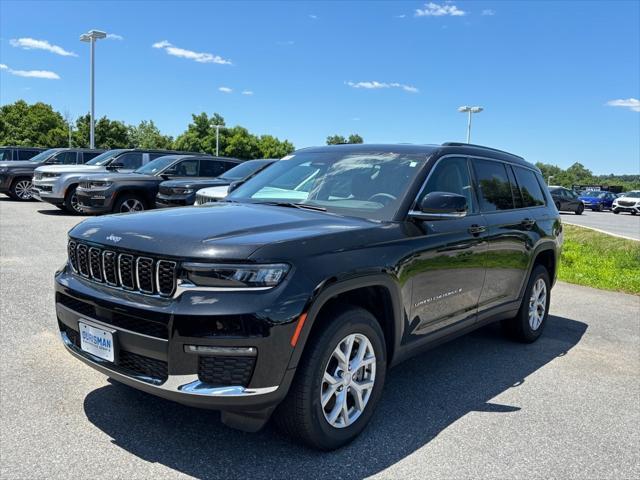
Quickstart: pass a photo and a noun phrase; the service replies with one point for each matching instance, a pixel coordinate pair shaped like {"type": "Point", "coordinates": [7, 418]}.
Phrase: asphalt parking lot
{"type": "Point", "coordinates": [623, 224]}
{"type": "Point", "coordinates": [479, 407]}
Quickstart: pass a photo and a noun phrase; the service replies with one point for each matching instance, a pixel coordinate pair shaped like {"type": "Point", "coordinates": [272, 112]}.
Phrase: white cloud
{"type": "Point", "coordinates": [630, 103]}
{"type": "Point", "coordinates": [225, 89]}
{"type": "Point", "coordinates": [372, 85]}
{"type": "Point", "coordinates": [400, 16]}
{"type": "Point", "coordinates": [33, 44]}
{"type": "Point", "coordinates": [114, 36]}
{"type": "Point", "coordinates": [313, 17]}
{"type": "Point", "coordinates": [287, 42]}
{"type": "Point", "coordinates": [200, 57]}
{"type": "Point", "coordinates": [31, 73]}
{"type": "Point", "coordinates": [247, 92]}
{"type": "Point", "coordinates": [488, 12]}
{"type": "Point", "coordinates": [437, 10]}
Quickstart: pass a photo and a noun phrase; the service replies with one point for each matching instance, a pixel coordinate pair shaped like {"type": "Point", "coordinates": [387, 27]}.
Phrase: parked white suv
{"type": "Point", "coordinates": [629, 202]}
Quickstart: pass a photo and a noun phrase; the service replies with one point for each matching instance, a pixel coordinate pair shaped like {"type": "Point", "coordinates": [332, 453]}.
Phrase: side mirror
{"type": "Point", "coordinates": [441, 205]}
{"type": "Point", "coordinates": [115, 166]}
{"type": "Point", "coordinates": [53, 161]}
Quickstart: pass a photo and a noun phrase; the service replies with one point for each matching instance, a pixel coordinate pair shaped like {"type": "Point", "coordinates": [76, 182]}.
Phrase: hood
{"type": "Point", "coordinates": [192, 183]}
{"type": "Point", "coordinates": [111, 176]}
{"type": "Point", "coordinates": [225, 231]}
{"type": "Point", "coordinates": [71, 168]}
{"type": "Point", "coordinates": [19, 164]}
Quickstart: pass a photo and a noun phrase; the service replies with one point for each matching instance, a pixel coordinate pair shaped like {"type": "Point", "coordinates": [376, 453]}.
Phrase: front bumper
{"type": "Point", "coordinates": [150, 335]}
{"type": "Point", "coordinates": [626, 208]}
{"type": "Point", "coordinates": [48, 189]}
{"type": "Point", "coordinates": [95, 201]}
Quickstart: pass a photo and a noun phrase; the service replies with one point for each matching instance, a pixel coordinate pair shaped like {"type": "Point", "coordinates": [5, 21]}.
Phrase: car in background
{"type": "Point", "coordinates": [57, 184]}
{"type": "Point", "coordinates": [566, 200]}
{"type": "Point", "coordinates": [10, 153]}
{"type": "Point", "coordinates": [628, 202]}
{"type": "Point", "coordinates": [16, 176]}
{"type": "Point", "coordinates": [136, 191]}
{"type": "Point", "coordinates": [597, 200]}
{"type": "Point", "coordinates": [180, 193]}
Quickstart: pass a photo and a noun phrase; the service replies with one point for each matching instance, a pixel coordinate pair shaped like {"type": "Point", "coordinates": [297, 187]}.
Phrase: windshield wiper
{"type": "Point", "coordinates": [303, 206]}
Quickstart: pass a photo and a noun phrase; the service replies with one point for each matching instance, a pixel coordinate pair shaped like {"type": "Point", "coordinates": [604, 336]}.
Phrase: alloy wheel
{"type": "Point", "coordinates": [131, 205]}
{"type": "Point", "coordinates": [348, 380]}
{"type": "Point", "coordinates": [75, 204]}
{"type": "Point", "coordinates": [23, 189]}
{"type": "Point", "coordinates": [537, 304]}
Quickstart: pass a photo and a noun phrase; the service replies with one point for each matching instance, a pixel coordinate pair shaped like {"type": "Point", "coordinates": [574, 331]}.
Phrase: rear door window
{"type": "Point", "coordinates": [65, 158]}
{"type": "Point", "coordinates": [186, 168]}
{"type": "Point", "coordinates": [493, 186]}
{"type": "Point", "coordinates": [131, 160]}
{"type": "Point", "coordinates": [529, 187]}
{"type": "Point", "coordinates": [26, 154]}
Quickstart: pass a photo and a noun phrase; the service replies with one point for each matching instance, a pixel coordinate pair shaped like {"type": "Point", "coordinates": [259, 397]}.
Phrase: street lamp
{"type": "Point", "coordinates": [218, 127]}
{"type": "Point", "coordinates": [469, 110]}
{"type": "Point", "coordinates": [90, 37]}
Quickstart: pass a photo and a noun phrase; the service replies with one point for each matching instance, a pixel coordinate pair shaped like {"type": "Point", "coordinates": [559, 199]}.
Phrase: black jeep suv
{"type": "Point", "coordinates": [136, 191]}
{"type": "Point", "coordinates": [295, 299]}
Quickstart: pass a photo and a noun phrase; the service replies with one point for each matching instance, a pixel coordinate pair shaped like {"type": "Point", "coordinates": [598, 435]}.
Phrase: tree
{"type": "Point", "coordinates": [36, 125]}
{"type": "Point", "coordinates": [200, 135]}
{"type": "Point", "coordinates": [272, 147]}
{"type": "Point", "coordinates": [241, 144]}
{"type": "Point", "coordinates": [340, 140]}
{"type": "Point", "coordinates": [147, 135]}
{"type": "Point", "coordinates": [108, 133]}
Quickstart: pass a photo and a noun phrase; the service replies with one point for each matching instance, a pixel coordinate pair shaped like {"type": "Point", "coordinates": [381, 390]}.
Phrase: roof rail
{"type": "Point", "coordinates": [462, 144]}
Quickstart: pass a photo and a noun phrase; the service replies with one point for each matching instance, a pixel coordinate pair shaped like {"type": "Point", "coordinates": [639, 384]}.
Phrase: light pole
{"type": "Point", "coordinates": [469, 110]}
{"type": "Point", "coordinates": [549, 179]}
{"type": "Point", "coordinates": [90, 37]}
{"type": "Point", "coordinates": [218, 127]}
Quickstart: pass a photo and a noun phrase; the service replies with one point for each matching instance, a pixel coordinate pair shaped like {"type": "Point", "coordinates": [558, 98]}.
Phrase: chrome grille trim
{"type": "Point", "coordinates": [172, 265]}
{"type": "Point", "coordinates": [150, 273]}
{"type": "Point", "coordinates": [82, 255]}
{"type": "Point", "coordinates": [110, 256]}
{"type": "Point", "coordinates": [95, 253]}
{"type": "Point", "coordinates": [73, 255]}
{"type": "Point", "coordinates": [127, 258]}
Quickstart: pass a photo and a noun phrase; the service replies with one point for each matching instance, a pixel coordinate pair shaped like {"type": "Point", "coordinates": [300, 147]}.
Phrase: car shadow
{"type": "Point", "coordinates": [422, 397]}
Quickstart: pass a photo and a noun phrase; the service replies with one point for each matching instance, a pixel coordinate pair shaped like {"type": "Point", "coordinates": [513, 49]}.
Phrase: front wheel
{"type": "Point", "coordinates": [339, 381]}
{"type": "Point", "coordinates": [71, 203]}
{"type": "Point", "coordinates": [21, 189]}
{"type": "Point", "coordinates": [129, 204]}
{"type": "Point", "coordinates": [580, 210]}
{"type": "Point", "coordinates": [528, 324]}
{"type": "Point", "coordinates": [615, 211]}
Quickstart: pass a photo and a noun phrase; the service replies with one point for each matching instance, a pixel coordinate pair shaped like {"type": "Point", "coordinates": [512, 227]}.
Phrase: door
{"type": "Point", "coordinates": [447, 267]}
{"type": "Point", "coordinates": [508, 224]}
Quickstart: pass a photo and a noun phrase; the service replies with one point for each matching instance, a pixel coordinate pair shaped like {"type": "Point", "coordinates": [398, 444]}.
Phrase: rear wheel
{"type": "Point", "coordinates": [616, 211]}
{"type": "Point", "coordinates": [129, 203]}
{"type": "Point", "coordinates": [71, 204]}
{"type": "Point", "coordinates": [338, 383]}
{"type": "Point", "coordinates": [580, 209]}
{"type": "Point", "coordinates": [21, 189]}
{"type": "Point", "coordinates": [598, 208]}
{"type": "Point", "coordinates": [528, 324]}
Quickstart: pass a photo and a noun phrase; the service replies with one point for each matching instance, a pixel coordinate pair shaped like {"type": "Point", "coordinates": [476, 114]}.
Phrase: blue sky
{"type": "Point", "coordinates": [390, 71]}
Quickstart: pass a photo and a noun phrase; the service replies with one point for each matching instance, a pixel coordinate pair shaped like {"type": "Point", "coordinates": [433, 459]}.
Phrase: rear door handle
{"type": "Point", "coordinates": [476, 229]}
{"type": "Point", "coordinates": [528, 222]}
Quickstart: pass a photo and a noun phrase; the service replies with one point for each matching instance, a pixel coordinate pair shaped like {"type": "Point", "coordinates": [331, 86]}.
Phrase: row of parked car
{"type": "Point", "coordinates": [122, 180]}
{"type": "Point", "coordinates": [598, 201]}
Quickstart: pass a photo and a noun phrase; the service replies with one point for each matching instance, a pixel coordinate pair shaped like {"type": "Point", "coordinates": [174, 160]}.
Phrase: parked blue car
{"type": "Point", "coordinates": [597, 201]}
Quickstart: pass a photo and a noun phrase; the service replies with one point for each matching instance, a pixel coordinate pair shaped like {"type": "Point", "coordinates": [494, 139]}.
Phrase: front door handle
{"type": "Point", "coordinates": [476, 229]}
{"type": "Point", "coordinates": [528, 223]}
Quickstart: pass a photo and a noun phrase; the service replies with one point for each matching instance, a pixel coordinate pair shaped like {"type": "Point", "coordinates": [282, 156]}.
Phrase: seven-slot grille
{"type": "Point", "coordinates": [202, 199]}
{"type": "Point", "coordinates": [131, 272]}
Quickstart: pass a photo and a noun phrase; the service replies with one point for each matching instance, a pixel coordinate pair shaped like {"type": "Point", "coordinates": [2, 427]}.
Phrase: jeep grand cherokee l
{"type": "Point", "coordinates": [295, 302]}
{"type": "Point", "coordinates": [16, 176]}
{"type": "Point", "coordinates": [136, 191]}
{"type": "Point", "coordinates": [57, 184]}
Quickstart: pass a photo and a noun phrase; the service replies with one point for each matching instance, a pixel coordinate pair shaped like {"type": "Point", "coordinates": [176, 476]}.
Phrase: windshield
{"type": "Point", "coordinates": [42, 156]}
{"type": "Point", "coordinates": [156, 166]}
{"type": "Point", "coordinates": [243, 170]}
{"type": "Point", "coordinates": [366, 185]}
{"type": "Point", "coordinates": [632, 195]}
{"type": "Point", "coordinates": [104, 158]}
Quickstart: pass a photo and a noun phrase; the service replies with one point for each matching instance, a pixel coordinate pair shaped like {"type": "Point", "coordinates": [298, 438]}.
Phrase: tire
{"type": "Point", "coordinates": [616, 211]}
{"type": "Point", "coordinates": [558, 206]}
{"type": "Point", "coordinates": [71, 201]}
{"type": "Point", "coordinates": [632, 212]}
{"type": "Point", "coordinates": [598, 208]}
{"type": "Point", "coordinates": [301, 415]}
{"type": "Point", "coordinates": [129, 203]}
{"type": "Point", "coordinates": [580, 210]}
{"type": "Point", "coordinates": [21, 189]}
{"type": "Point", "coordinates": [526, 327]}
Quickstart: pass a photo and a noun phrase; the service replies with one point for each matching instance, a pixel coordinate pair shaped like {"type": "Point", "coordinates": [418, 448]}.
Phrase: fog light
{"type": "Point", "coordinates": [222, 351]}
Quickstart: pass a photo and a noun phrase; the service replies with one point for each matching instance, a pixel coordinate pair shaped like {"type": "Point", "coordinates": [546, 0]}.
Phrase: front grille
{"type": "Point", "coordinates": [225, 371]}
{"type": "Point", "coordinates": [165, 190]}
{"type": "Point", "coordinates": [139, 273]}
{"type": "Point", "coordinates": [157, 326]}
{"type": "Point", "coordinates": [85, 185]}
{"type": "Point", "coordinates": [44, 188]}
{"type": "Point", "coordinates": [626, 203]}
{"type": "Point", "coordinates": [202, 199]}
{"type": "Point", "coordinates": [128, 363]}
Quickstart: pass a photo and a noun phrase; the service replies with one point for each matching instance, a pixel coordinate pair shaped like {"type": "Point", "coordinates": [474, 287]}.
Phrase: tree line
{"type": "Point", "coordinates": [578, 174]}
{"type": "Point", "coordinates": [39, 125]}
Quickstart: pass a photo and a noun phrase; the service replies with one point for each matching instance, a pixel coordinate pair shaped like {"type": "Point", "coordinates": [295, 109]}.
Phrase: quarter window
{"type": "Point", "coordinates": [493, 185]}
{"type": "Point", "coordinates": [65, 158]}
{"type": "Point", "coordinates": [451, 175]}
{"type": "Point", "coordinates": [530, 188]}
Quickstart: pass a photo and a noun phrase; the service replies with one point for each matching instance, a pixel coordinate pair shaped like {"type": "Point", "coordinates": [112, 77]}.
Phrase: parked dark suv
{"type": "Point", "coordinates": [295, 299]}
{"type": "Point", "coordinates": [136, 191]}
{"type": "Point", "coordinates": [19, 153]}
{"type": "Point", "coordinates": [16, 177]}
{"type": "Point", "coordinates": [566, 199]}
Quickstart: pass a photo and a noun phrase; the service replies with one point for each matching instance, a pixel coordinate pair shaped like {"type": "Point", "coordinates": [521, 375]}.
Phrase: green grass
{"type": "Point", "coordinates": [601, 261]}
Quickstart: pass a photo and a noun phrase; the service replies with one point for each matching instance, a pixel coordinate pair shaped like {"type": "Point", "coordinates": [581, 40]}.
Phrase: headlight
{"type": "Point", "coordinates": [99, 185]}
{"type": "Point", "coordinates": [50, 174]}
{"type": "Point", "coordinates": [4, 170]}
{"type": "Point", "coordinates": [235, 276]}
{"type": "Point", "coordinates": [182, 191]}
